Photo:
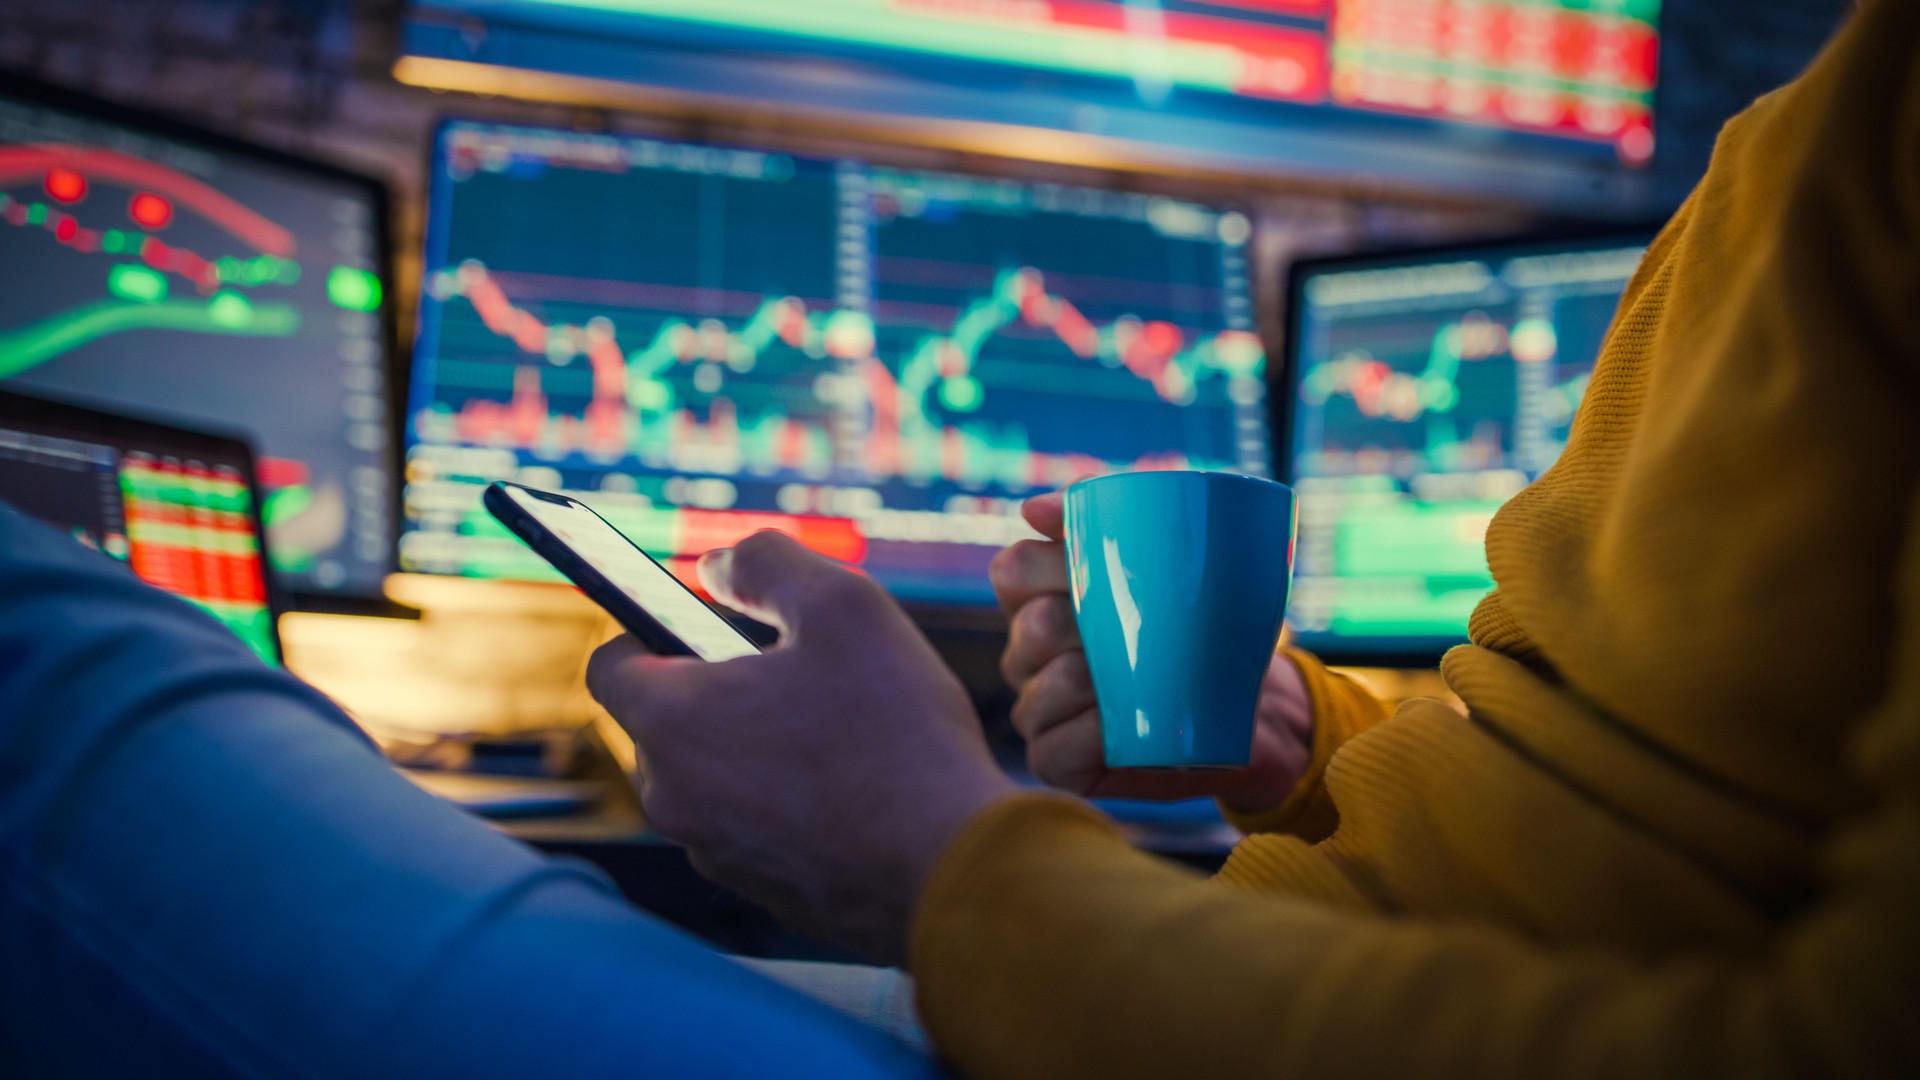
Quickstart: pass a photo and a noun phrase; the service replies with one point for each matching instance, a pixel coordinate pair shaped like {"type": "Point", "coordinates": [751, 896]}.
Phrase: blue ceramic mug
{"type": "Point", "coordinates": [1180, 583]}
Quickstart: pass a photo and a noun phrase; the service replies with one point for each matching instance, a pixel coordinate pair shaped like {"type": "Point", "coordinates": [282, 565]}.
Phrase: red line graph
{"type": "Point", "coordinates": [152, 250]}
{"type": "Point", "coordinates": [523, 418]}
{"type": "Point", "coordinates": [900, 431]}
{"type": "Point", "coordinates": [607, 427]}
{"type": "Point", "coordinates": [19, 163]}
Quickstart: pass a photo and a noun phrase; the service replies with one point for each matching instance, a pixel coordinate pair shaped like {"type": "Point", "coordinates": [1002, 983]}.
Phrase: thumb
{"type": "Point", "coordinates": [773, 577]}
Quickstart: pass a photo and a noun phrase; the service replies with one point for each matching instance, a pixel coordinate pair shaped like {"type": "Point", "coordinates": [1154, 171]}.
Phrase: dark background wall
{"type": "Point", "coordinates": [1716, 57]}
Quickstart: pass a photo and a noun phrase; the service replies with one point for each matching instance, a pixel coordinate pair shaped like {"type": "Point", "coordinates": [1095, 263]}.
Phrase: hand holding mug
{"type": "Point", "coordinates": [1057, 711]}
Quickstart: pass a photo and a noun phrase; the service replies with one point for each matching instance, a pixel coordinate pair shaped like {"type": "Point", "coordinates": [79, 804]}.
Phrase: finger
{"type": "Point", "coordinates": [607, 659]}
{"type": "Point", "coordinates": [629, 682]}
{"type": "Point", "coordinates": [1276, 764]}
{"type": "Point", "coordinates": [1047, 514]}
{"type": "Point", "coordinates": [1069, 757]}
{"type": "Point", "coordinates": [1061, 693]}
{"type": "Point", "coordinates": [1026, 569]}
{"type": "Point", "coordinates": [1040, 631]}
{"type": "Point", "coordinates": [774, 578]}
{"type": "Point", "coordinates": [673, 817]}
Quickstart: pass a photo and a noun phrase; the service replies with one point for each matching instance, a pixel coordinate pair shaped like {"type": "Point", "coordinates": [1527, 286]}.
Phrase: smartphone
{"type": "Point", "coordinates": [612, 570]}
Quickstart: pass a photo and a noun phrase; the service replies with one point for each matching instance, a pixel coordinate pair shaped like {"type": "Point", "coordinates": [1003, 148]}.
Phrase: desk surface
{"type": "Point", "coordinates": [1191, 830]}
{"type": "Point", "coordinates": [656, 876]}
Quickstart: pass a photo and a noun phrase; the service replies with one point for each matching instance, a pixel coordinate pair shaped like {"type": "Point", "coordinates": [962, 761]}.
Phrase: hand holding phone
{"type": "Point", "coordinates": [663, 614]}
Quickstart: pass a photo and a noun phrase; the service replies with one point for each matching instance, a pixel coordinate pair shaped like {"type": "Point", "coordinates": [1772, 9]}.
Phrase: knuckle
{"type": "Point", "coordinates": [1066, 762]}
{"type": "Point", "coordinates": [673, 818]}
{"type": "Point", "coordinates": [1052, 620]}
{"type": "Point", "coordinates": [1016, 559]}
{"type": "Point", "coordinates": [761, 542]}
{"type": "Point", "coordinates": [1001, 565]}
{"type": "Point", "coordinates": [1075, 674]}
{"type": "Point", "coordinates": [1067, 676]}
{"type": "Point", "coordinates": [1023, 715]}
{"type": "Point", "coordinates": [761, 545]}
{"type": "Point", "coordinates": [1047, 767]}
{"type": "Point", "coordinates": [1028, 624]}
{"type": "Point", "coordinates": [1012, 664]}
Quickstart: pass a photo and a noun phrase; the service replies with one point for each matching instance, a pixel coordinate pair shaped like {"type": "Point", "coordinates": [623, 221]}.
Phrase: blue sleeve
{"type": "Point", "coordinates": [207, 870]}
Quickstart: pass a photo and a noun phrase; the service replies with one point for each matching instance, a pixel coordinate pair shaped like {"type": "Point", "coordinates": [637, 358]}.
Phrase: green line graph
{"type": "Point", "coordinates": [960, 347]}
{"type": "Point", "coordinates": [226, 314]}
{"type": "Point", "coordinates": [815, 333]}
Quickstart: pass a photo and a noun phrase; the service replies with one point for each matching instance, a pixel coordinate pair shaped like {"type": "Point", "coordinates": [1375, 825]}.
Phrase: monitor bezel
{"type": "Point", "coordinates": [1282, 402]}
{"type": "Point", "coordinates": [393, 367]}
{"type": "Point", "coordinates": [57, 417]}
{"type": "Point", "coordinates": [956, 619]}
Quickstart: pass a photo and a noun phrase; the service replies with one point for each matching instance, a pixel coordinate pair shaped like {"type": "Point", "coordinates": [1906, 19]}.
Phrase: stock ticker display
{"type": "Point", "coordinates": [184, 524]}
{"type": "Point", "coordinates": [701, 342]}
{"type": "Point", "coordinates": [150, 271]}
{"type": "Point", "coordinates": [1427, 392]}
{"type": "Point", "coordinates": [1582, 71]}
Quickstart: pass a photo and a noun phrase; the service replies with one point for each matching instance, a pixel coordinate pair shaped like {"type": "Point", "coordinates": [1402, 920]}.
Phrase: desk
{"type": "Point", "coordinates": [656, 876]}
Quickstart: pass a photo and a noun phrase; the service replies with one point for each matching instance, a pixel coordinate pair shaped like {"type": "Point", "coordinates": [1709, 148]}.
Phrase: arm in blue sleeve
{"type": "Point", "coordinates": [205, 869]}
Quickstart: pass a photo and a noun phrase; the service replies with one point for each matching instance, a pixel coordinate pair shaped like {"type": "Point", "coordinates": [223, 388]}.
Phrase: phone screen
{"type": "Point", "coordinates": [602, 547]}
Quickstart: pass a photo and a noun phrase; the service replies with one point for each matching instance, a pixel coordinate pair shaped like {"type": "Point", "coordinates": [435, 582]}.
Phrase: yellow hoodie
{"type": "Point", "coordinates": [1678, 833]}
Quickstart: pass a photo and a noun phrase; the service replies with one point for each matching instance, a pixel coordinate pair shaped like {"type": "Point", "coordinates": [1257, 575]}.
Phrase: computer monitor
{"type": "Point", "coordinates": [167, 270]}
{"type": "Point", "coordinates": [703, 341]}
{"type": "Point", "coordinates": [181, 507]}
{"type": "Point", "coordinates": [1423, 390]}
{"type": "Point", "coordinates": [1549, 102]}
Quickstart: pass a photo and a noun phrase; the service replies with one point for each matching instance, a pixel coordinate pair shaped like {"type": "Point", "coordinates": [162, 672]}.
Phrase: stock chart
{"type": "Point", "coordinates": [1428, 391]}
{"type": "Point", "coordinates": [1032, 335]}
{"type": "Point", "coordinates": [705, 341]}
{"type": "Point", "coordinates": [153, 270]}
{"type": "Point", "coordinates": [1577, 71]}
{"type": "Point", "coordinates": [178, 508]}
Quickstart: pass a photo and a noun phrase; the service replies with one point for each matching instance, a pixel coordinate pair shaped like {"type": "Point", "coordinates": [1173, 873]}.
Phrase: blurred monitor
{"type": "Point", "coordinates": [1423, 391]}
{"type": "Point", "coordinates": [170, 271]}
{"type": "Point", "coordinates": [1545, 100]}
{"type": "Point", "coordinates": [181, 507]}
{"type": "Point", "coordinates": [703, 341]}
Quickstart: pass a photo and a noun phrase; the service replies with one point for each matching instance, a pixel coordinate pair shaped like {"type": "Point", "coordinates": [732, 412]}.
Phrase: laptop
{"type": "Point", "coordinates": [182, 507]}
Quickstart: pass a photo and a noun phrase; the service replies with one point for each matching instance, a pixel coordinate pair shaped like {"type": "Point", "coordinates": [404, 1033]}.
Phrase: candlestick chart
{"type": "Point", "coordinates": [1428, 393]}
{"type": "Point", "coordinates": [168, 273]}
{"type": "Point", "coordinates": [734, 340]}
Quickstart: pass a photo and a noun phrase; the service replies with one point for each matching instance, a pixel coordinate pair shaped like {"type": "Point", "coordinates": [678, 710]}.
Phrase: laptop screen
{"type": "Point", "coordinates": [178, 506]}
